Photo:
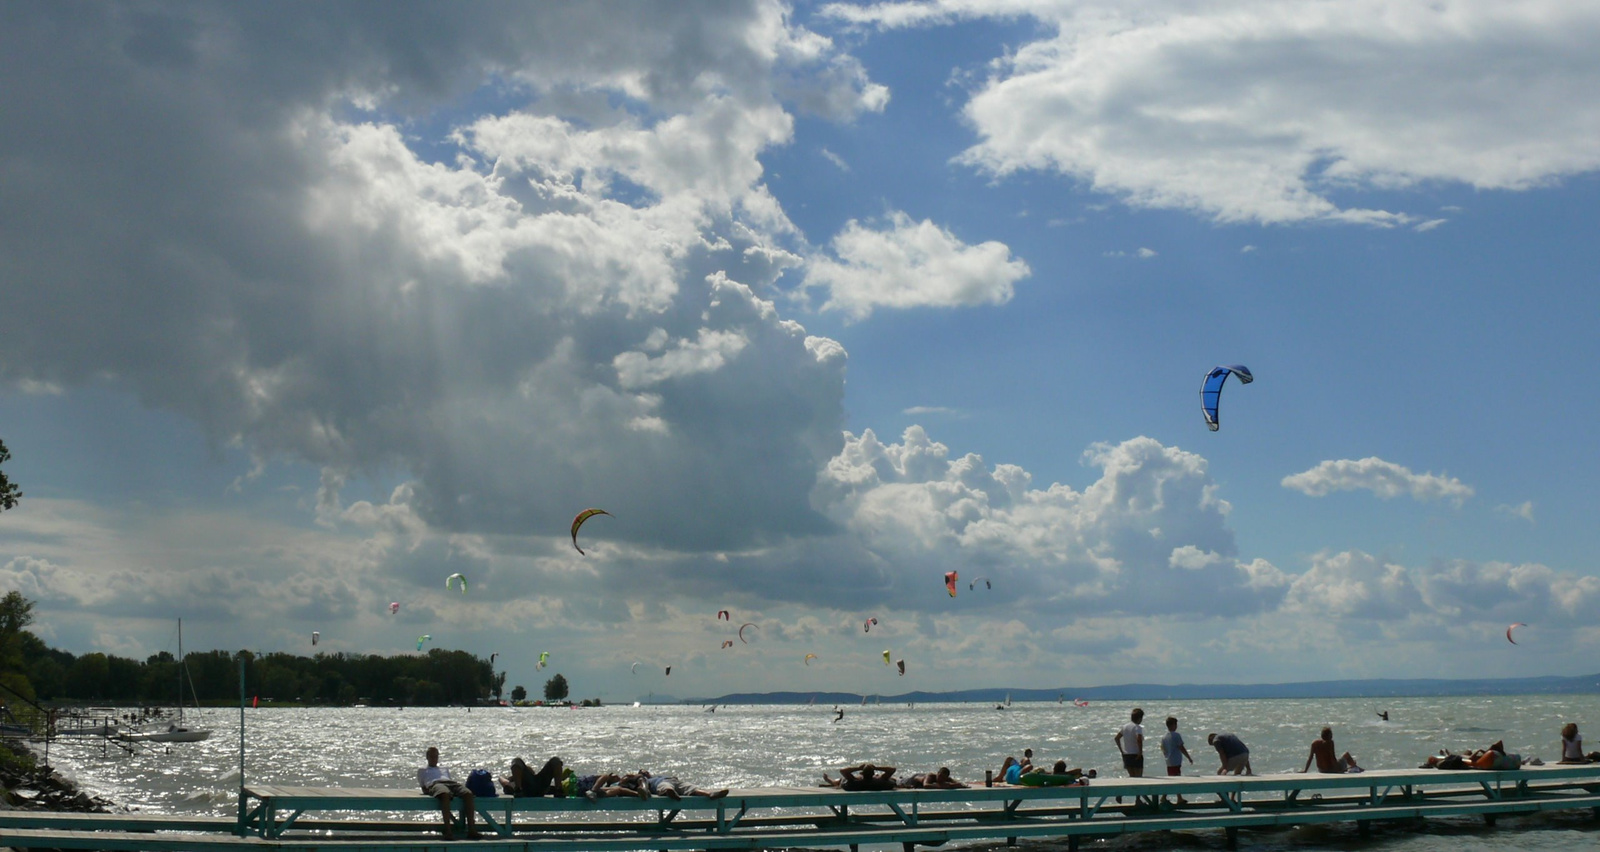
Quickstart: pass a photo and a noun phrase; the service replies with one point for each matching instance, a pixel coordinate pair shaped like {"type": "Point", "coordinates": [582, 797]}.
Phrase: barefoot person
{"type": "Point", "coordinates": [436, 782]}
{"type": "Point", "coordinates": [1234, 753]}
{"type": "Point", "coordinates": [1130, 741]}
{"type": "Point", "coordinates": [1174, 750]}
{"type": "Point", "coordinates": [1323, 751]}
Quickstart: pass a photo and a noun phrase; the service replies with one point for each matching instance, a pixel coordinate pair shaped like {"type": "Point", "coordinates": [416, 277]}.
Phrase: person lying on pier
{"type": "Point", "coordinates": [610, 784]}
{"type": "Point", "coordinates": [672, 788]}
{"type": "Point", "coordinates": [940, 780]}
{"type": "Point", "coordinates": [436, 782]}
{"type": "Point", "coordinates": [870, 778]}
{"type": "Point", "coordinates": [1058, 776]}
{"type": "Point", "coordinates": [1323, 751]}
{"type": "Point", "coordinates": [1234, 753]}
{"type": "Point", "coordinates": [523, 782]}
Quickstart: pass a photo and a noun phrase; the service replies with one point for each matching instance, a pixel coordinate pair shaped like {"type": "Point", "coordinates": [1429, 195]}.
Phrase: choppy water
{"type": "Point", "coordinates": [757, 745]}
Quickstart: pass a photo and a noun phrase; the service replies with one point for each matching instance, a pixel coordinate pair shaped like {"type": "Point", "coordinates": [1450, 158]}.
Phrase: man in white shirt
{"type": "Point", "coordinates": [1172, 746]}
{"type": "Point", "coordinates": [1130, 741]}
{"type": "Point", "coordinates": [436, 782]}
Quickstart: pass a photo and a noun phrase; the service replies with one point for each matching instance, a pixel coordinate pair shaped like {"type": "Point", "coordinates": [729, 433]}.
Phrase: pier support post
{"type": "Point", "coordinates": [1488, 819]}
{"type": "Point", "coordinates": [1364, 827]}
{"type": "Point", "coordinates": [1233, 836]}
{"type": "Point", "coordinates": [1072, 841]}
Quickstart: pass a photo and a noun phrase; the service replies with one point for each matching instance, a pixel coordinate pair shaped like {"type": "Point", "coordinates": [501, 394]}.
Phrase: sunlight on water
{"type": "Point", "coordinates": [747, 746]}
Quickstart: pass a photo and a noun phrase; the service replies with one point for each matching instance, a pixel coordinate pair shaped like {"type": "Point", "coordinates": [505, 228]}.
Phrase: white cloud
{"type": "Point", "coordinates": [1257, 110]}
{"type": "Point", "coordinates": [916, 410]}
{"type": "Point", "coordinates": [1149, 536]}
{"type": "Point", "coordinates": [1353, 585]}
{"type": "Point", "coordinates": [836, 160]}
{"type": "Point", "coordinates": [1247, 249]}
{"type": "Point", "coordinates": [1428, 225]}
{"type": "Point", "coordinates": [1385, 479]}
{"type": "Point", "coordinates": [1523, 510]}
{"type": "Point", "coordinates": [911, 264]}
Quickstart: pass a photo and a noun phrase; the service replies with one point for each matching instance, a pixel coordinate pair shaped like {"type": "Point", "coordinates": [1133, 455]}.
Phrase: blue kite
{"type": "Point", "coordinates": [1211, 390]}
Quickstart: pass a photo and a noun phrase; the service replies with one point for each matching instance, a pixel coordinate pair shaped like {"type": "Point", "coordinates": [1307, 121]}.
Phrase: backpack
{"type": "Point", "coordinates": [481, 783]}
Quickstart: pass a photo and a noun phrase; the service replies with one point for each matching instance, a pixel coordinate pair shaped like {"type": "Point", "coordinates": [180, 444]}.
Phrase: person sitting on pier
{"type": "Point", "coordinates": [1572, 746]}
{"type": "Point", "coordinates": [672, 788]}
{"type": "Point", "coordinates": [1323, 751]}
{"type": "Point", "coordinates": [1234, 753]}
{"type": "Point", "coordinates": [871, 778]}
{"type": "Point", "coordinates": [523, 782]}
{"type": "Point", "coordinates": [1011, 770]}
{"type": "Point", "coordinates": [436, 782]}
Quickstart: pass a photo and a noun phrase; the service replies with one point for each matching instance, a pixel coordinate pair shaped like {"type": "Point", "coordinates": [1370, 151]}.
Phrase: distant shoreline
{"type": "Point", "coordinates": [1370, 688]}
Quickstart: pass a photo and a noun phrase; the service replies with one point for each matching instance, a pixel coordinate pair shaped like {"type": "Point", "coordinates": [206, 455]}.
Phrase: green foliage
{"type": "Point", "coordinates": [519, 693]}
{"type": "Point", "coordinates": [439, 677]}
{"type": "Point", "coordinates": [555, 689]}
{"type": "Point", "coordinates": [9, 493]}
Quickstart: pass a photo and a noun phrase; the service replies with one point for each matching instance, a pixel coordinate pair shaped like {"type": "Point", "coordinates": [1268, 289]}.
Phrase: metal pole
{"type": "Point", "coordinates": [240, 829]}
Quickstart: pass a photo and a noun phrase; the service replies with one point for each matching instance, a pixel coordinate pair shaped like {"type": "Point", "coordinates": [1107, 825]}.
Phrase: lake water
{"type": "Point", "coordinates": [746, 746]}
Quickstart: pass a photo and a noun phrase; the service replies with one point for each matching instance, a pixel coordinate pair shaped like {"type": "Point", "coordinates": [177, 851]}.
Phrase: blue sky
{"type": "Point", "coordinates": [821, 301]}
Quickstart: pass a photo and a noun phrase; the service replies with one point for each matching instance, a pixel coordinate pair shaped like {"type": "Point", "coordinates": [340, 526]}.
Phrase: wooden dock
{"type": "Point", "coordinates": [302, 819]}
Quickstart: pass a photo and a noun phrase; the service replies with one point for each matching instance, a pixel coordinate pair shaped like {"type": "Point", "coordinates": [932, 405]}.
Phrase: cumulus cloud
{"type": "Point", "coordinates": [1385, 479]}
{"type": "Point", "coordinates": [1149, 536]}
{"type": "Point", "coordinates": [1260, 111]}
{"type": "Point", "coordinates": [560, 299]}
{"type": "Point", "coordinates": [911, 264]}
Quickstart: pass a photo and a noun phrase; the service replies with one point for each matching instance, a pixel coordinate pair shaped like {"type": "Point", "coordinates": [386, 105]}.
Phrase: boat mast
{"type": "Point", "coordinates": [180, 671]}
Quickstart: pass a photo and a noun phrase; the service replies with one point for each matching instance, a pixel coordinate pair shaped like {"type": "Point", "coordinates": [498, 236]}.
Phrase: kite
{"type": "Point", "coordinates": [544, 660]}
{"type": "Point", "coordinates": [974, 584]}
{"type": "Point", "coordinates": [584, 515]}
{"type": "Point", "coordinates": [1211, 390]}
{"type": "Point", "coordinates": [809, 658]}
{"type": "Point", "coordinates": [491, 658]}
{"type": "Point", "coordinates": [727, 643]}
{"type": "Point", "coordinates": [426, 637]}
{"type": "Point", "coordinates": [1511, 628]}
{"type": "Point", "coordinates": [866, 626]}
{"type": "Point", "coordinates": [457, 576]}
{"type": "Point", "coordinates": [394, 607]}
{"type": "Point", "coordinates": [669, 672]}
{"type": "Point", "coordinates": [634, 668]}
{"type": "Point", "coordinates": [901, 665]}
{"type": "Point", "coordinates": [950, 578]}
{"type": "Point", "coordinates": [723, 614]}
{"type": "Point", "coordinates": [886, 657]}
{"type": "Point", "coordinates": [315, 636]}
{"type": "Point", "coordinates": [743, 626]}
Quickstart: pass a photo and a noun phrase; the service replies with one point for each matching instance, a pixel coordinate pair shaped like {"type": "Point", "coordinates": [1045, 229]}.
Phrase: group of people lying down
{"type": "Point", "coordinates": [867, 776]}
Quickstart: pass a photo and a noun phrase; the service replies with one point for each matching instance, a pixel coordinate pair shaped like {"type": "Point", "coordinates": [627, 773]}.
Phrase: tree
{"type": "Point", "coordinates": [555, 689]}
{"type": "Point", "coordinates": [518, 693]}
{"type": "Point", "coordinates": [9, 495]}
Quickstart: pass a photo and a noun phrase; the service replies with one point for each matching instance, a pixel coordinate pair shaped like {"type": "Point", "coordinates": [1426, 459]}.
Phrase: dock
{"type": "Point", "coordinates": [303, 819]}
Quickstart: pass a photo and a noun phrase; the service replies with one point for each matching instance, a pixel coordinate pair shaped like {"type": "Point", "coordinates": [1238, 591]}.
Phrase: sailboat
{"type": "Point", "coordinates": [177, 732]}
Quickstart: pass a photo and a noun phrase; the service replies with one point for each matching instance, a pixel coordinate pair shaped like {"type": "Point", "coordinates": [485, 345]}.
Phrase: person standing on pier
{"type": "Point", "coordinates": [1234, 753]}
{"type": "Point", "coordinates": [1130, 741]}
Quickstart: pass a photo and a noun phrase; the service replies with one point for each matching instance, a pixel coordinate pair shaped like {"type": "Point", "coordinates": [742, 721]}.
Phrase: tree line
{"type": "Point", "coordinates": [33, 670]}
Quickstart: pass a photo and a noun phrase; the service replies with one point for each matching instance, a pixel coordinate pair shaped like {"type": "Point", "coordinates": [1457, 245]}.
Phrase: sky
{"type": "Point", "coordinates": [305, 307]}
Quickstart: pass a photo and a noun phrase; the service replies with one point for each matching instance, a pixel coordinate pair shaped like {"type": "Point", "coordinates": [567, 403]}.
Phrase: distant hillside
{"type": "Point", "coordinates": [1136, 691]}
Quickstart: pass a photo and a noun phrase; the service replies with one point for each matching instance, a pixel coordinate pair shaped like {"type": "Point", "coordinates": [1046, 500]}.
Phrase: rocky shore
{"type": "Point", "coordinates": [25, 784]}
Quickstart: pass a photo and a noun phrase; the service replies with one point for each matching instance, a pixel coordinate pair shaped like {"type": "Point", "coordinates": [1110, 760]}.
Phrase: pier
{"type": "Point", "coordinates": [301, 819]}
